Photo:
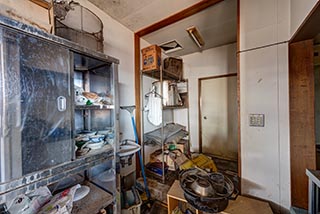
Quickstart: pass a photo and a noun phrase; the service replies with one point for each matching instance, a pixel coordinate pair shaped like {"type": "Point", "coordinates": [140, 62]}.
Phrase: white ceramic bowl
{"type": "Point", "coordinates": [95, 145]}
{"type": "Point", "coordinates": [81, 192]}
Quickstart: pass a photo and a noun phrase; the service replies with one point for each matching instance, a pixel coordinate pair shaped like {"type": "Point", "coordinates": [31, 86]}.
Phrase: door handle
{"type": "Point", "coordinates": [61, 103]}
{"type": "Point", "coordinates": [205, 117]}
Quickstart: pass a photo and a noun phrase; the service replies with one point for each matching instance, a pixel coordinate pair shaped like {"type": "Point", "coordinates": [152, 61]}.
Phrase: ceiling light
{"type": "Point", "coordinates": [195, 35]}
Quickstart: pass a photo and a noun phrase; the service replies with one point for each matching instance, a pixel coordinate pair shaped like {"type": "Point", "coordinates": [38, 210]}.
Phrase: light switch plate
{"type": "Point", "coordinates": [256, 120]}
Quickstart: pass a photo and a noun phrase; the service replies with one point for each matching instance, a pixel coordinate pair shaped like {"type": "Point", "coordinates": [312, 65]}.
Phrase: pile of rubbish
{"type": "Point", "coordinates": [41, 201]}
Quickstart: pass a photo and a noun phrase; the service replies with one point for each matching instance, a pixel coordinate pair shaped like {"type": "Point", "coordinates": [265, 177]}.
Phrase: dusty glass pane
{"type": "Point", "coordinates": [35, 104]}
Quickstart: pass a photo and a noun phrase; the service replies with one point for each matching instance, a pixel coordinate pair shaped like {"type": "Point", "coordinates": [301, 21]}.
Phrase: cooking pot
{"type": "Point", "coordinates": [208, 192]}
{"type": "Point", "coordinates": [169, 93]}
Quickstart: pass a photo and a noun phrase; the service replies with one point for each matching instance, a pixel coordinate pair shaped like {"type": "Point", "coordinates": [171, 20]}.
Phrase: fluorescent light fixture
{"type": "Point", "coordinates": [195, 35]}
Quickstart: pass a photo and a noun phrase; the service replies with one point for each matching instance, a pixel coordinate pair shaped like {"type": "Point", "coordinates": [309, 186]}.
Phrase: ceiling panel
{"type": "Point", "coordinates": [217, 25]}
{"type": "Point", "coordinates": [137, 14]}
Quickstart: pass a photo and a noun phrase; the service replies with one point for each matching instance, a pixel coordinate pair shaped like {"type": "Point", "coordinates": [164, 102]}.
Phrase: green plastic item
{"type": "Point", "coordinates": [172, 147]}
{"type": "Point", "coordinates": [88, 103]}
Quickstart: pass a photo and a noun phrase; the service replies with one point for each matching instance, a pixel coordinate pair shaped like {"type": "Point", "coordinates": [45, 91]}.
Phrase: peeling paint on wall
{"type": "Point", "coordinates": [24, 11]}
{"type": "Point", "coordinates": [12, 14]}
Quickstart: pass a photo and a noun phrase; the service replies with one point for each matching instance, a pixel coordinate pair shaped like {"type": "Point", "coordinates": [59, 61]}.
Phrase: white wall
{"type": "Point", "coordinates": [212, 62]}
{"type": "Point", "coordinates": [263, 22]}
{"type": "Point", "coordinates": [265, 151]}
{"type": "Point", "coordinates": [299, 11]}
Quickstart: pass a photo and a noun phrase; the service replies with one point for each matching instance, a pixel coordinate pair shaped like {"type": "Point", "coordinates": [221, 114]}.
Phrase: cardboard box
{"type": "Point", "coordinates": [157, 157]}
{"type": "Point", "coordinates": [183, 145]}
{"type": "Point", "coordinates": [157, 190]}
{"type": "Point", "coordinates": [151, 58]}
{"type": "Point", "coordinates": [179, 158]}
{"type": "Point", "coordinates": [173, 67]}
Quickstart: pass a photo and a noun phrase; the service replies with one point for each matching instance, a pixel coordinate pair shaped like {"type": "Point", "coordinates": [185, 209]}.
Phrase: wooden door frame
{"type": "Point", "coordinates": [302, 127]}
{"type": "Point", "coordinates": [196, 8]}
{"type": "Point", "coordinates": [305, 149]}
{"type": "Point", "coordinates": [199, 103]}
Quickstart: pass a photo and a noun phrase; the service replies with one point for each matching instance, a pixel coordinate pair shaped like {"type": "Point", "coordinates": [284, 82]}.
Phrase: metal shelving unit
{"type": "Point", "coordinates": [97, 77]}
{"type": "Point", "coordinates": [158, 75]}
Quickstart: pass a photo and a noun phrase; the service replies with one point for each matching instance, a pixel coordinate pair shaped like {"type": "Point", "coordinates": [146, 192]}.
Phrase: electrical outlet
{"type": "Point", "coordinates": [256, 120]}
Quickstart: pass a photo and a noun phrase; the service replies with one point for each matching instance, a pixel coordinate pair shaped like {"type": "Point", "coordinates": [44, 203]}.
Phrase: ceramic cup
{"type": "Point", "coordinates": [81, 100]}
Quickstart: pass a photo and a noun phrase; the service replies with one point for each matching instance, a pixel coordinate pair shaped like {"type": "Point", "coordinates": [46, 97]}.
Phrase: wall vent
{"type": "Point", "coordinates": [169, 47]}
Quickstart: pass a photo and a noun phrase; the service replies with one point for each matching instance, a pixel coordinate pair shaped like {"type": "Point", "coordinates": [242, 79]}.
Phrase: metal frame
{"type": "Point", "coordinates": [314, 186]}
{"type": "Point", "coordinates": [32, 181]}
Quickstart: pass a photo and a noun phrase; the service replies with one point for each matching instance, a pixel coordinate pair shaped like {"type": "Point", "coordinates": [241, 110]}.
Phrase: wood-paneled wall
{"type": "Point", "coordinates": [302, 123]}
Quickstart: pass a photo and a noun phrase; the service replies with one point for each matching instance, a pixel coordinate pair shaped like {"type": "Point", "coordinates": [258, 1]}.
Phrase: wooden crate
{"type": "Point", "coordinates": [242, 205]}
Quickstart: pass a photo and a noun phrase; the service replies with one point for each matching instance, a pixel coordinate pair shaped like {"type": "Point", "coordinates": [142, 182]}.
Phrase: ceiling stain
{"type": "Point", "coordinates": [138, 14]}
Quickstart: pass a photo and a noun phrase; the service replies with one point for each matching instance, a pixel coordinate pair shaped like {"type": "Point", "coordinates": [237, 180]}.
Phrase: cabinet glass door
{"type": "Point", "coordinates": [35, 104]}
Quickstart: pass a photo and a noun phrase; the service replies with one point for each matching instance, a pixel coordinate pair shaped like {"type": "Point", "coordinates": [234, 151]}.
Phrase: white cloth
{"type": "Point", "coordinates": [154, 110]}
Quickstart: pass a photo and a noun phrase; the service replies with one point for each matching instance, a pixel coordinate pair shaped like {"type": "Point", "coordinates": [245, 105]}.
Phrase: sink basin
{"type": "Point", "coordinates": [128, 148]}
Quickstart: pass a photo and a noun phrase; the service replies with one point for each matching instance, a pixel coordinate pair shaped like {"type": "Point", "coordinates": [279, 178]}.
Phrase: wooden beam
{"type": "Point", "coordinates": [51, 19]}
{"type": "Point", "coordinates": [137, 88]}
{"type": "Point", "coordinates": [178, 16]}
{"type": "Point", "coordinates": [42, 3]}
{"type": "Point", "coordinates": [137, 84]}
{"type": "Point", "coordinates": [238, 93]}
{"type": "Point", "coordinates": [302, 117]}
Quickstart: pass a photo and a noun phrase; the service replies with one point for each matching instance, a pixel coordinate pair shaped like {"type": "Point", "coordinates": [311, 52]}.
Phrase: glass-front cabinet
{"type": "Point", "coordinates": [58, 112]}
{"type": "Point", "coordinates": [36, 105]}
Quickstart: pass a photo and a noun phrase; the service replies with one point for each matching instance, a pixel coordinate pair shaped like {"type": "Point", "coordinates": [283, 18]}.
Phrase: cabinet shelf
{"type": "Point", "coordinates": [105, 149]}
{"type": "Point", "coordinates": [94, 107]}
{"type": "Point", "coordinates": [52, 175]}
{"type": "Point", "coordinates": [96, 200]}
{"type": "Point", "coordinates": [174, 107]}
{"type": "Point", "coordinates": [156, 75]}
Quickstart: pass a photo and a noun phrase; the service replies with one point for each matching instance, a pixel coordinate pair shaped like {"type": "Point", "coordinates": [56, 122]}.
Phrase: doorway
{"type": "Point", "coordinates": [218, 120]}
